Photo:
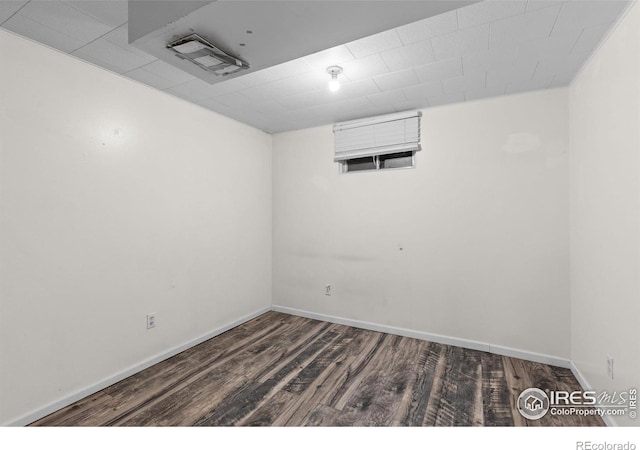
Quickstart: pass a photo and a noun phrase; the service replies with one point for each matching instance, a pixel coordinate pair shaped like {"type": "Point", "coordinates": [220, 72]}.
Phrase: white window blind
{"type": "Point", "coordinates": [381, 135]}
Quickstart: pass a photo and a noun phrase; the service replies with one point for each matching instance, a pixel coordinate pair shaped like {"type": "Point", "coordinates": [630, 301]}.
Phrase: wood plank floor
{"type": "Point", "coordinates": [285, 370]}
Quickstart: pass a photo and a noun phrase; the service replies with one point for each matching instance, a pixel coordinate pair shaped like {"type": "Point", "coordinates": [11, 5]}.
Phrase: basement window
{"type": "Point", "coordinates": [378, 143]}
{"type": "Point", "coordinates": [403, 160]}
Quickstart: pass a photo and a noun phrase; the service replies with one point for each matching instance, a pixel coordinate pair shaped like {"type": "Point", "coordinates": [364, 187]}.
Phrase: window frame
{"type": "Point", "coordinates": [344, 164]}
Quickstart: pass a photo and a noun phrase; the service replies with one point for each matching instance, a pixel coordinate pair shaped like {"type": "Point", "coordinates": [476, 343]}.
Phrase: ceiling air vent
{"type": "Point", "coordinates": [199, 51]}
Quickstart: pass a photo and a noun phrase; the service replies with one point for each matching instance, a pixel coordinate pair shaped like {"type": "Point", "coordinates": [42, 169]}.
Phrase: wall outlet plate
{"type": "Point", "coordinates": [151, 320]}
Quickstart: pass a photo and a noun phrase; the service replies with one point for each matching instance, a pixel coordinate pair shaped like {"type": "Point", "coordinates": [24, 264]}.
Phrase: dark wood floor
{"type": "Point", "coordinates": [279, 369]}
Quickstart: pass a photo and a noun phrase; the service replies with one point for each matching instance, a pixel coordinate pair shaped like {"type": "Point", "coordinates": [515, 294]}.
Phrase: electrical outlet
{"type": "Point", "coordinates": [610, 366]}
{"type": "Point", "coordinates": [327, 289]}
{"type": "Point", "coordinates": [151, 320]}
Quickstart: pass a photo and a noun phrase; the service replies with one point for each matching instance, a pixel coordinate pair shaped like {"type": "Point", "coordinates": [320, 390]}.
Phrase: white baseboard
{"type": "Point", "coordinates": [475, 345]}
{"type": "Point", "coordinates": [586, 386]}
{"type": "Point", "coordinates": [441, 339]}
{"type": "Point", "coordinates": [89, 390]}
{"type": "Point", "coordinates": [531, 356]}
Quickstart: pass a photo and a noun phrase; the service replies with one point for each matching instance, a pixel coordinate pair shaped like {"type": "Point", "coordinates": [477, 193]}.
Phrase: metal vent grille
{"type": "Point", "coordinates": [207, 56]}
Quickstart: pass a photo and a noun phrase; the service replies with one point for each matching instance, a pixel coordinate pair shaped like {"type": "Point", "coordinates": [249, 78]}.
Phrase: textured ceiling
{"type": "Point", "coordinates": [483, 50]}
{"type": "Point", "coordinates": [245, 28]}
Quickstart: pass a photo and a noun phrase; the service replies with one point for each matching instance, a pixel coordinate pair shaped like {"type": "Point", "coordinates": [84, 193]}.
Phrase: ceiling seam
{"type": "Point", "coordinates": [97, 19]}
{"type": "Point", "coordinates": [577, 40]}
{"type": "Point", "coordinates": [18, 10]}
{"type": "Point", "coordinates": [100, 37]}
{"type": "Point", "coordinates": [556, 20]}
{"type": "Point", "coordinates": [535, 70]}
{"type": "Point", "coordinates": [142, 67]}
{"type": "Point", "coordinates": [433, 52]}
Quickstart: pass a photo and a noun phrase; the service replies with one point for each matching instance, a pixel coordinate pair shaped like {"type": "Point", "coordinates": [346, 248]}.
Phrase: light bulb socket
{"type": "Point", "coordinates": [334, 71]}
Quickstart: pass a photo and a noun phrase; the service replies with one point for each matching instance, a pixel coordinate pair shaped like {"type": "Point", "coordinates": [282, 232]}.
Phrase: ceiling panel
{"type": "Point", "coordinates": [353, 89]}
{"type": "Point", "coordinates": [397, 80]}
{"type": "Point", "coordinates": [325, 58]}
{"type": "Point", "coordinates": [460, 43]}
{"type": "Point", "coordinates": [387, 98]}
{"type": "Point", "coordinates": [576, 15]}
{"type": "Point", "coordinates": [112, 52]}
{"type": "Point", "coordinates": [160, 75]}
{"type": "Point", "coordinates": [486, 60]}
{"type": "Point", "coordinates": [348, 108]}
{"type": "Point", "coordinates": [532, 25]}
{"type": "Point", "coordinates": [488, 11]}
{"type": "Point", "coordinates": [482, 50]}
{"type": "Point", "coordinates": [590, 37]}
{"type": "Point", "coordinates": [509, 72]}
{"type": "Point", "coordinates": [235, 100]}
{"type": "Point", "coordinates": [111, 56]}
{"type": "Point", "coordinates": [150, 78]}
{"type": "Point", "coordinates": [424, 90]}
{"type": "Point", "coordinates": [468, 81]}
{"type": "Point", "coordinates": [9, 8]}
{"type": "Point", "coordinates": [193, 90]}
{"type": "Point", "coordinates": [549, 47]}
{"type": "Point", "coordinates": [269, 108]}
{"type": "Point", "coordinates": [63, 18]}
{"type": "Point", "coordinates": [411, 103]}
{"type": "Point", "coordinates": [292, 85]}
{"type": "Point", "coordinates": [258, 78]}
{"type": "Point", "coordinates": [287, 69]}
{"type": "Point", "coordinates": [550, 67]}
{"type": "Point", "coordinates": [375, 44]}
{"type": "Point", "coordinates": [33, 30]}
{"type": "Point", "coordinates": [366, 67]}
{"type": "Point", "coordinates": [262, 92]}
{"type": "Point", "coordinates": [427, 28]}
{"type": "Point", "coordinates": [439, 70]}
{"type": "Point", "coordinates": [410, 55]}
{"type": "Point", "coordinates": [113, 13]}
{"type": "Point", "coordinates": [477, 94]}
{"type": "Point", "coordinates": [306, 100]}
{"type": "Point", "coordinates": [445, 99]}
{"type": "Point", "coordinates": [532, 5]}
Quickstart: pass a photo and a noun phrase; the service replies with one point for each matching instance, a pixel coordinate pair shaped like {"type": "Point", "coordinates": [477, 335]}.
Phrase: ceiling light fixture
{"type": "Point", "coordinates": [334, 71]}
{"type": "Point", "coordinates": [203, 53]}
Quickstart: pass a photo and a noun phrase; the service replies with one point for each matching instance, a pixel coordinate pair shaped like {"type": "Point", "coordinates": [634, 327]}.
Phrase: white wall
{"type": "Point", "coordinates": [605, 212]}
{"type": "Point", "coordinates": [172, 216]}
{"type": "Point", "coordinates": [118, 201]}
{"type": "Point", "coordinates": [482, 220]}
